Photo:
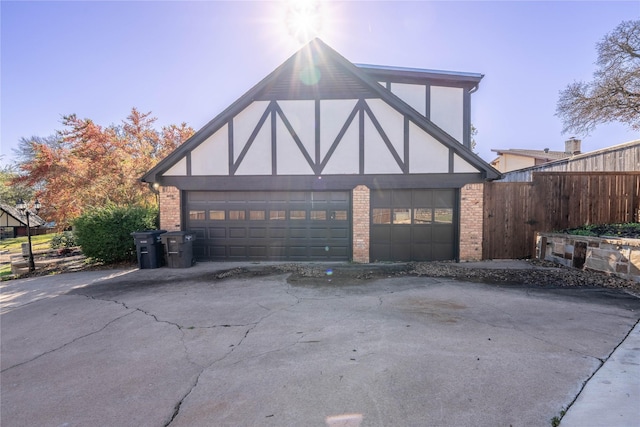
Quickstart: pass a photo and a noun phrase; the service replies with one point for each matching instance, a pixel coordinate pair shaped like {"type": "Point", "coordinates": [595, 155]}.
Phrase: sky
{"type": "Point", "coordinates": [187, 61]}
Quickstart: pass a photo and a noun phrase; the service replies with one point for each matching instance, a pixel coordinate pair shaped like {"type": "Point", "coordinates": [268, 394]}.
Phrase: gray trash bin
{"type": "Point", "coordinates": [149, 248]}
{"type": "Point", "coordinates": [178, 249]}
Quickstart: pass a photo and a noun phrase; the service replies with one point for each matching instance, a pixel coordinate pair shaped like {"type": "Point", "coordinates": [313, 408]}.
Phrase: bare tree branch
{"type": "Point", "coordinates": [614, 93]}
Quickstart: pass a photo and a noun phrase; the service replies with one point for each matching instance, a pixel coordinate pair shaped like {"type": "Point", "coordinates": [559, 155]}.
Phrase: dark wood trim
{"type": "Point", "coordinates": [451, 158]}
{"type": "Point", "coordinates": [427, 107]}
{"type": "Point", "coordinates": [230, 140]}
{"type": "Point", "coordinates": [317, 183]}
{"type": "Point", "coordinates": [407, 157]}
{"type": "Point", "coordinates": [317, 136]}
{"type": "Point", "coordinates": [466, 119]}
{"type": "Point", "coordinates": [188, 161]}
{"type": "Point", "coordinates": [361, 104]}
{"type": "Point", "coordinates": [456, 225]}
{"type": "Point", "coordinates": [274, 144]}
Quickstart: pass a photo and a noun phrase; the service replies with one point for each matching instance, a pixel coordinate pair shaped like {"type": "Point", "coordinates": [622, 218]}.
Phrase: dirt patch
{"type": "Point", "coordinates": [542, 274]}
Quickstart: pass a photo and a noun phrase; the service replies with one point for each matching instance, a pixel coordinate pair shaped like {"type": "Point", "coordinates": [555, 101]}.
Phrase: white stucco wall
{"type": "Point", "coordinates": [414, 95]}
{"type": "Point", "coordinates": [447, 110]}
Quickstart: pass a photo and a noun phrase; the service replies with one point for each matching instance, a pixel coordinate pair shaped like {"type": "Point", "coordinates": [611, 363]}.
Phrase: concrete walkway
{"type": "Point", "coordinates": [181, 347]}
{"type": "Point", "coordinates": [612, 396]}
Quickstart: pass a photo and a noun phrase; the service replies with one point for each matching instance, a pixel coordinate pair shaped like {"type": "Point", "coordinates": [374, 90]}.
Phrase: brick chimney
{"type": "Point", "coordinates": [572, 146]}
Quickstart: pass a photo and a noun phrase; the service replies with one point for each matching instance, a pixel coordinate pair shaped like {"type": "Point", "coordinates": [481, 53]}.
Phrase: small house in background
{"type": "Point", "coordinates": [515, 158]}
{"type": "Point", "coordinates": [617, 158]}
{"type": "Point", "coordinates": [14, 224]}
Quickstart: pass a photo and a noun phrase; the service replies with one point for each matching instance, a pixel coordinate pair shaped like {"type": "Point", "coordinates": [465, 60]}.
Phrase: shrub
{"type": "Point", "coordinates": [64, 240]}
{"type": "Point", "coordinates": [105, 233]}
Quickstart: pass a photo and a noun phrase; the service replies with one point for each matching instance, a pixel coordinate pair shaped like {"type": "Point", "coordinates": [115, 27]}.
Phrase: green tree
{"type": "Point", "coordinates": [614, 93]}
{"type": "Point", "coordinates": [10, 193]}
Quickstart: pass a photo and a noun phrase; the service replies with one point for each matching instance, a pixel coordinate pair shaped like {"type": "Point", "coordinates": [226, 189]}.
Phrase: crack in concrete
{"type": "Point", "coordinates": [254, 325]}
{"type": "Point", "coordinates": [602, 362]}
{"type": "Point", "coordinates": [70, 342]}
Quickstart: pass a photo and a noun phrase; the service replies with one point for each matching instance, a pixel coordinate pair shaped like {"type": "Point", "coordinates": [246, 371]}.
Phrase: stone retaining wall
{"type": "Point", "coordinates": [620, 257]}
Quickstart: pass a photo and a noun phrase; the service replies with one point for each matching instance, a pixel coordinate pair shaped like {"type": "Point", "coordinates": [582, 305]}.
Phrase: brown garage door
{"type": "Point", "coordinates": [278, 225]}
{"type": "Point", "coordinates": [413, 225]}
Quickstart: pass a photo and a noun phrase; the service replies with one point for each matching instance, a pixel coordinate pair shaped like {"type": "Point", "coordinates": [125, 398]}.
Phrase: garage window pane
{"type": "Point", "coordinates": [216, 215]}
{"type": "Point", "coordinates": [339, 215]}
{"type": "Point", "coordinates": [236, 215]}
{"type": "Point", "coordinates": [402, 216]}
{"type": "Point", "coordinates": [276, 215]}
{"type": "Point", "coordinates": [298, 215]}
{"type": "Point", "coordinates": [422, 216]}
{"type": "Point", "coordinates": [196, 215]}
{"type": "Point", "coordinates": [256, 215]}
{"type": "Point", "coordinates": [319, 215]}
{"type": "Point", "coordinates": [382, 216]}
{"type": "Point", "coordinates": [443, 215]}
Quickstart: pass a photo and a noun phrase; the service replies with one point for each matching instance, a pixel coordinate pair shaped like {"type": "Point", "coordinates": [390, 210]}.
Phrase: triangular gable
{"type": "Point", "coordinates": [316, 70]}
{"type": "Point", "coordinates": [20, 220]}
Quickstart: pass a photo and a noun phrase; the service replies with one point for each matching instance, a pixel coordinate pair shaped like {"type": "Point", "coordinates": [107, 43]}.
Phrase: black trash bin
{"type": "Point", "coordinates": [149, 248]}
{"type": "Point", "coordinates": [178, 249]}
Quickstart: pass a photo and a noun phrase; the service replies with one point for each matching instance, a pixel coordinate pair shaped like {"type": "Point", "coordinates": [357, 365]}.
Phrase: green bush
{"type": "Point", "coordinates": [64, 240]}
{"type": "Point", "coordinates": [105, 233]}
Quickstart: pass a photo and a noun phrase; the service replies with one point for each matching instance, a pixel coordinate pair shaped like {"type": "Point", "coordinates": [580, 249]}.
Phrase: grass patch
{"type": "Point", "coordinates": [40, 242]}
{"type": "Point", "coordinates": [5, 270]}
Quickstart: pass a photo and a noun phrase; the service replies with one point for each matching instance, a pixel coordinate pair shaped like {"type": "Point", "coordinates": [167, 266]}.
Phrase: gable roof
{"type": "Point", "coordinates": [536, 154]}
{"type": "Point", "coordinates": [34, 219]}
{"type": "Point", "coordinates": [407, 74]}
{"type": "Point", "coordinates": [346, 81]}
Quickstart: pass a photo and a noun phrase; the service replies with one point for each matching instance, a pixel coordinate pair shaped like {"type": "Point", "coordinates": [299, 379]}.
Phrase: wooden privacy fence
{"type": "Point", "coordinates": [514, 211]}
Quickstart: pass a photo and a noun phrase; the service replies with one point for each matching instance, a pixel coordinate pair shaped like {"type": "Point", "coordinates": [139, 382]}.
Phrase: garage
{"type": "Point", "coordinates": [327, 160]}
{"type": "Point", "coordinates": [274, 225]}
{"type": "Point", "coordinates": [413, 225]}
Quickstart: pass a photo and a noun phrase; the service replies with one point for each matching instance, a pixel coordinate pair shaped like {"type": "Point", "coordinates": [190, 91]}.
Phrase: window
{"type": "Point", "coordinates": [443, 215]}
{"type": "Point", "coordinates": [298, 215]}
{"type": "Point", "coordinates": [196, 215]}
{"type": "Point", "coordinates": [276, 215]}
{"type": "Point", "coordinates": [339, 215]}
{"type": "Point", "coordinates": [236, 215]}
{"type": "Point", "coordinates": [256, 215]}
{"type": "Point", "coordinates": [422, 216]}
{"type": "Point", "coordinates": [382, 216]}
{"type": "Point", "coordinates": [319, 215]}
{"type": "Point", "coordinates": [402, 216]}
{"type": "Point", "coordinates": [216, 215]}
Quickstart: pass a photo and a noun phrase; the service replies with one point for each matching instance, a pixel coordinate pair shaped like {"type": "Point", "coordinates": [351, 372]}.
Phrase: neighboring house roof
{"type": "Point", "coordinates": [34, 220]}
{"type": "Point", "coordinates": [346, 80]}
{"type": "Point", "coordinates": [617, 158]}
{"type": "Point", "coordinates": [535, 154]}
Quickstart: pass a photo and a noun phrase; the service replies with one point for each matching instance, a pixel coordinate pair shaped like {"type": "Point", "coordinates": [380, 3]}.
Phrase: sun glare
{"type": "Point", "coordinates": [304, 19]}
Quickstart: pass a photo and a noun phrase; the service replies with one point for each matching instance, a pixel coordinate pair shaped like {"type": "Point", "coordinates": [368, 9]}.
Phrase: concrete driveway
{"type": "Point", "coordinates": [183, 348]}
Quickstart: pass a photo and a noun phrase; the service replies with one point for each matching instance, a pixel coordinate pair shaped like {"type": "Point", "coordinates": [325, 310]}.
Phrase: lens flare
{"type": "Point", "coordinates": [304, 19]}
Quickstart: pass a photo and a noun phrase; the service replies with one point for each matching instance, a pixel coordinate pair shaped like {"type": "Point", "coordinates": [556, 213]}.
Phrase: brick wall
{"type": "Point", "coordinates": [471, 216]}
{"type": "Point", "coordinates": [170, 209]}
{"type": "Point", "coordinates": [360, 198]}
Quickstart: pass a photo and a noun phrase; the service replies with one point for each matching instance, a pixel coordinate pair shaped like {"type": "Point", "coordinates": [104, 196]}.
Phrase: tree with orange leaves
{"type": "Point", "coordinates": [88, 166]}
